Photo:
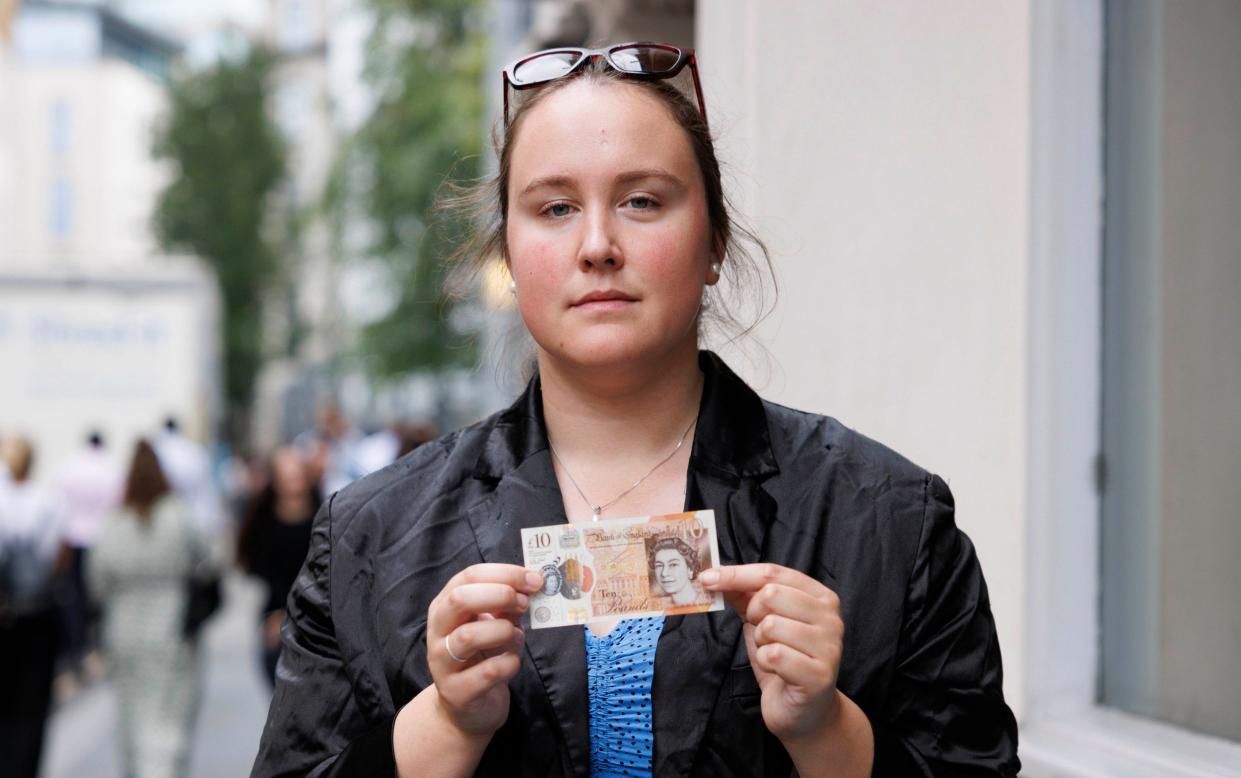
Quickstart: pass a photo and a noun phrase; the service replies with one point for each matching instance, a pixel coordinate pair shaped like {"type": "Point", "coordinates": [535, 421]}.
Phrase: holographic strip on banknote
{"type": "Point", "coordinates": [625, 568]}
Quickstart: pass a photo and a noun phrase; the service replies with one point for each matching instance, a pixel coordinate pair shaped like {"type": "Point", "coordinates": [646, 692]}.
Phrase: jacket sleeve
{"type": "Point", "coordinates": [316, 726]}
{"type": "Point", "coordinates": [946, 714]}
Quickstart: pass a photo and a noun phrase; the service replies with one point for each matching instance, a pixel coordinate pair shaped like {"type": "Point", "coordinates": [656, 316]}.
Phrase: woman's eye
{"type": "Point", "coordinates": [558, 210]}
{"type": "Point", "coordinates": [640, 203]}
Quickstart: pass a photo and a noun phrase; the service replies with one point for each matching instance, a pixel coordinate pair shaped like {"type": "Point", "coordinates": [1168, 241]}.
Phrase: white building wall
{"type": "Point", "coordinates": [98, 328]}
{"type": "Point", "coordinates": [136, 104]}
{"type": "Point", "coordinates": [8, 162]}
{"type": "Point", "coordinates": [104, 162]}
{"type": "Point", "coordinates": [882, 152]}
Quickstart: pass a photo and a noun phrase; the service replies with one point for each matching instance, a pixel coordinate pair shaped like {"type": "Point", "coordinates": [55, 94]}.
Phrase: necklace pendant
{"type": "Point", "coordinates": [594, 513]}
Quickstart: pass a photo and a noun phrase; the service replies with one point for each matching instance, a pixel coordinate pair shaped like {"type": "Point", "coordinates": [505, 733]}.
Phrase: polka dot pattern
{"type": "Point", "coordinates": [619, 669]}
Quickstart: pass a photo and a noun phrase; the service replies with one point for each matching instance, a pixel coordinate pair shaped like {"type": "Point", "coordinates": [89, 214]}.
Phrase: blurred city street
{"type": "Point", "coordinates": [82, 741]}
{"type": "Point", "coordinates": [252, 251]}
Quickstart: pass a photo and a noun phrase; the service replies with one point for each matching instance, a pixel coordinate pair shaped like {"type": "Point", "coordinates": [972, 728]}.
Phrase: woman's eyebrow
{"type": "Point", "coordinates": [628, 177]}
{"type": "Point", "coordinates": [547, 181]}
{"type": "Point", "coordinates": [633, 176]}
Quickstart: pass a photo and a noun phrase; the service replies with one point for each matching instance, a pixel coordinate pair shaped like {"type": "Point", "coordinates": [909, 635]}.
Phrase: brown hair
{"type": "Point", "coordinates": [146, 483]}
{"type": "Point", "coordinates": [487, 205]}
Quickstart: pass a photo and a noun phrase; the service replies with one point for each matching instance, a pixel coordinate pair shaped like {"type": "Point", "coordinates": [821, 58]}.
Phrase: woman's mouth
{"type": "Point", "coordinates": [604, 300]}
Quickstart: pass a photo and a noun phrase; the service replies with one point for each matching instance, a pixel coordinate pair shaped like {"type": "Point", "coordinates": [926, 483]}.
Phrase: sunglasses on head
{"type": "Point", "coordinates": [646, 61]}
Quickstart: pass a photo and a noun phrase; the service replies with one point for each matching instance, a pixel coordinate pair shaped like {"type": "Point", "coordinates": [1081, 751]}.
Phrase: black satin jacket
{"type": "Point", "coordinates": [920, 651]}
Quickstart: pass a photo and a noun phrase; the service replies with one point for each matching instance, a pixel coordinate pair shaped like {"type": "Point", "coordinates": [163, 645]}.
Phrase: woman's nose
{"type": "Point", "coordinates": [600, 250]}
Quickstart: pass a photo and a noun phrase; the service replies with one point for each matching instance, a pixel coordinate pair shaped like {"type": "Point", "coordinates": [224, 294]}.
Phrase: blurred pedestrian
{"type": "Point", "coordinates": [412, 435]}
{"type": "Point", "coordinates": [274, 538]}
{"type": "Point", "coordinates": [140, 571]}
{"type": "Point", "coordinates": [187, 466]}
{"type": "Point", "coordinates": [343, 465]}
{"type": "Point", "coordinates": [377, 450]}
{"type": "Point", "coordinates": [89, 484]}
{"type": "Point", "coordinates": [29, 620]}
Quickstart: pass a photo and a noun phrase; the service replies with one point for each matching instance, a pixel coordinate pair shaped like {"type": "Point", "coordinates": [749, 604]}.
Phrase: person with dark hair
{"type": "Point", "coordinates": [404, 651]}
{"type": "Point", "coordinates": [139, 571]}
{"type": "Point", "coordinates": [273, 540]}
{"type": "Point", "coordinates": [29, 619]}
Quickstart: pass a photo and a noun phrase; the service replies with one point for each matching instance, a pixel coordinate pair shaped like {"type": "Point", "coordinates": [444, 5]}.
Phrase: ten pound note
{"type": "Point", "coordinates": [624, 568]}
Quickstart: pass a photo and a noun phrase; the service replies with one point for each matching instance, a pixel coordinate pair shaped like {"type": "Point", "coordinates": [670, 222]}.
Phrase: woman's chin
{"type": "Point", "coordinates": [603, 351]}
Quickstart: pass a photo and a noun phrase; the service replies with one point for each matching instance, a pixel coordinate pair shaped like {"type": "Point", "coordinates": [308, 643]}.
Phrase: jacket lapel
{"type": "Point", "coordinates": [527, 495]}
{"type": "Point", "coordinates": [731, 458]}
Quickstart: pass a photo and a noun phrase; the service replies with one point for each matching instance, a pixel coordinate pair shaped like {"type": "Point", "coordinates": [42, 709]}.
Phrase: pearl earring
{"type": "Point", "coordinates": [715, 268]}
{"type": "Point", "coordinates": [512, 286]}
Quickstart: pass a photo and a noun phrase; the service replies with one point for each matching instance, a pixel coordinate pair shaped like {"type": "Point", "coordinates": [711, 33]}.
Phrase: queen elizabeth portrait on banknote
{"type": "Point", "coordinates": [674, 567]}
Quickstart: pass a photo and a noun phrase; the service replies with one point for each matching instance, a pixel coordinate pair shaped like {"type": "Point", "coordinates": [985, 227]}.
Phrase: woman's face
{"type": "Point", "coordinates": [608, 234]}
{"type": "Point", "coordinates": [671, 570]}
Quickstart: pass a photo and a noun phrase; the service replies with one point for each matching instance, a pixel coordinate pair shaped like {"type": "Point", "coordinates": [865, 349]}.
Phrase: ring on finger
{"type": "Point", "coordinates": [451, 653]}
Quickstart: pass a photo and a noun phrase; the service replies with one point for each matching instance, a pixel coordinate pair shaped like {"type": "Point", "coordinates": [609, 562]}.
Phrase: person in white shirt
{"type": "Point", "coordinates": [188, 469]}
{"type": "Point", "coordinates": [343, 465]}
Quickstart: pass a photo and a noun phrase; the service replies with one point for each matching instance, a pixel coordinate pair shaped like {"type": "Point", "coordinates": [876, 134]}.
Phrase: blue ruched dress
{"type": "Point", "coordinates": [619, 669]}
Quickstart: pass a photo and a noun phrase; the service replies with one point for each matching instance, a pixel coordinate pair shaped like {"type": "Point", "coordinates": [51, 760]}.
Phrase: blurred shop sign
{"type": "Point", "coordinates": [117, 353]}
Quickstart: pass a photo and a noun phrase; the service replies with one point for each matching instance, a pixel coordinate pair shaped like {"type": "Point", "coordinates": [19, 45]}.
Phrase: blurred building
{"type": "Point", "coordinates": [8, 190]}
{"type": "Point", "coordinates": [303, 328]}
{"type": "Point", "coordinates": [93, 318]}
{"type": "Point", "coordinates": [85, 95]}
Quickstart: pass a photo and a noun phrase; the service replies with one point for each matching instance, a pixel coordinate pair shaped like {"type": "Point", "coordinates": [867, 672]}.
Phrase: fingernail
{"type": "Point", "coordinates": [522, 601]}
{"type": "Point", "coordinates": [709, 577]}
{"type": "Point", "coordinates": [534, 580]}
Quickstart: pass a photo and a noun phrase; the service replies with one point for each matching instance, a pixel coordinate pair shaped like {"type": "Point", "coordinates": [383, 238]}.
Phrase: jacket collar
{"type": "Point", "coordinates": [731, 436]}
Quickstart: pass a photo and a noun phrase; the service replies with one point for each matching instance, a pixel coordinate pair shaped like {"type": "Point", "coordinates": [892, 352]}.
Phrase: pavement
{"type": "Point", "coordinates": [82, 735]}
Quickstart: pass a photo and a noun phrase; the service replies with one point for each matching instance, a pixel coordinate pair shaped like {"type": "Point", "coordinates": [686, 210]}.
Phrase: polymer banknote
{"type": "Point", "coordinates": [626, 568]}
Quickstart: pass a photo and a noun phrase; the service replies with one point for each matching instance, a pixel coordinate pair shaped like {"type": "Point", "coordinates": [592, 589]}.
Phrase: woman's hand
{"type": "Point", "coordinates": [794, 636]}
{"type": "Point", "coordinates": [477, 615]}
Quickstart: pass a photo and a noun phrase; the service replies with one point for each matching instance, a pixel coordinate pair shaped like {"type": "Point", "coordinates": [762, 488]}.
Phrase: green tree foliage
{"type": "Point", "coordinates": [228, 158]}
{"type": "Point", "coordinates": [425, 60]}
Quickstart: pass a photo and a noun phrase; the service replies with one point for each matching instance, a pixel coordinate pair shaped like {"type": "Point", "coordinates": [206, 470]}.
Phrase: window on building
{"type": "Point", "coordinates": [1171, 531]}
{"type": "Point", "coordinates": [62, 207]}
{"type": "Point", "coordinates": [58, 127]}
{"type": "Point", "coordinates": [296, 27]}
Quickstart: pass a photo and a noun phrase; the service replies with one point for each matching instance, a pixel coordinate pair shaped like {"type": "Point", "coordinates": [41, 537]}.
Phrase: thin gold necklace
{"type": "Point", "coordinates": [595, 510]}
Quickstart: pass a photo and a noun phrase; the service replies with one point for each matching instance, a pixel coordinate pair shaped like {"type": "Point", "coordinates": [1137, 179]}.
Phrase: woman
{"type": "Point", "coordinates": [273, 541]}
{"type": "Point", "coordinates": [404, 651]}
{"type": "Point", "coordinates": [139, 571]}
{"type": "Point", "coordinates": [674, 568]}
